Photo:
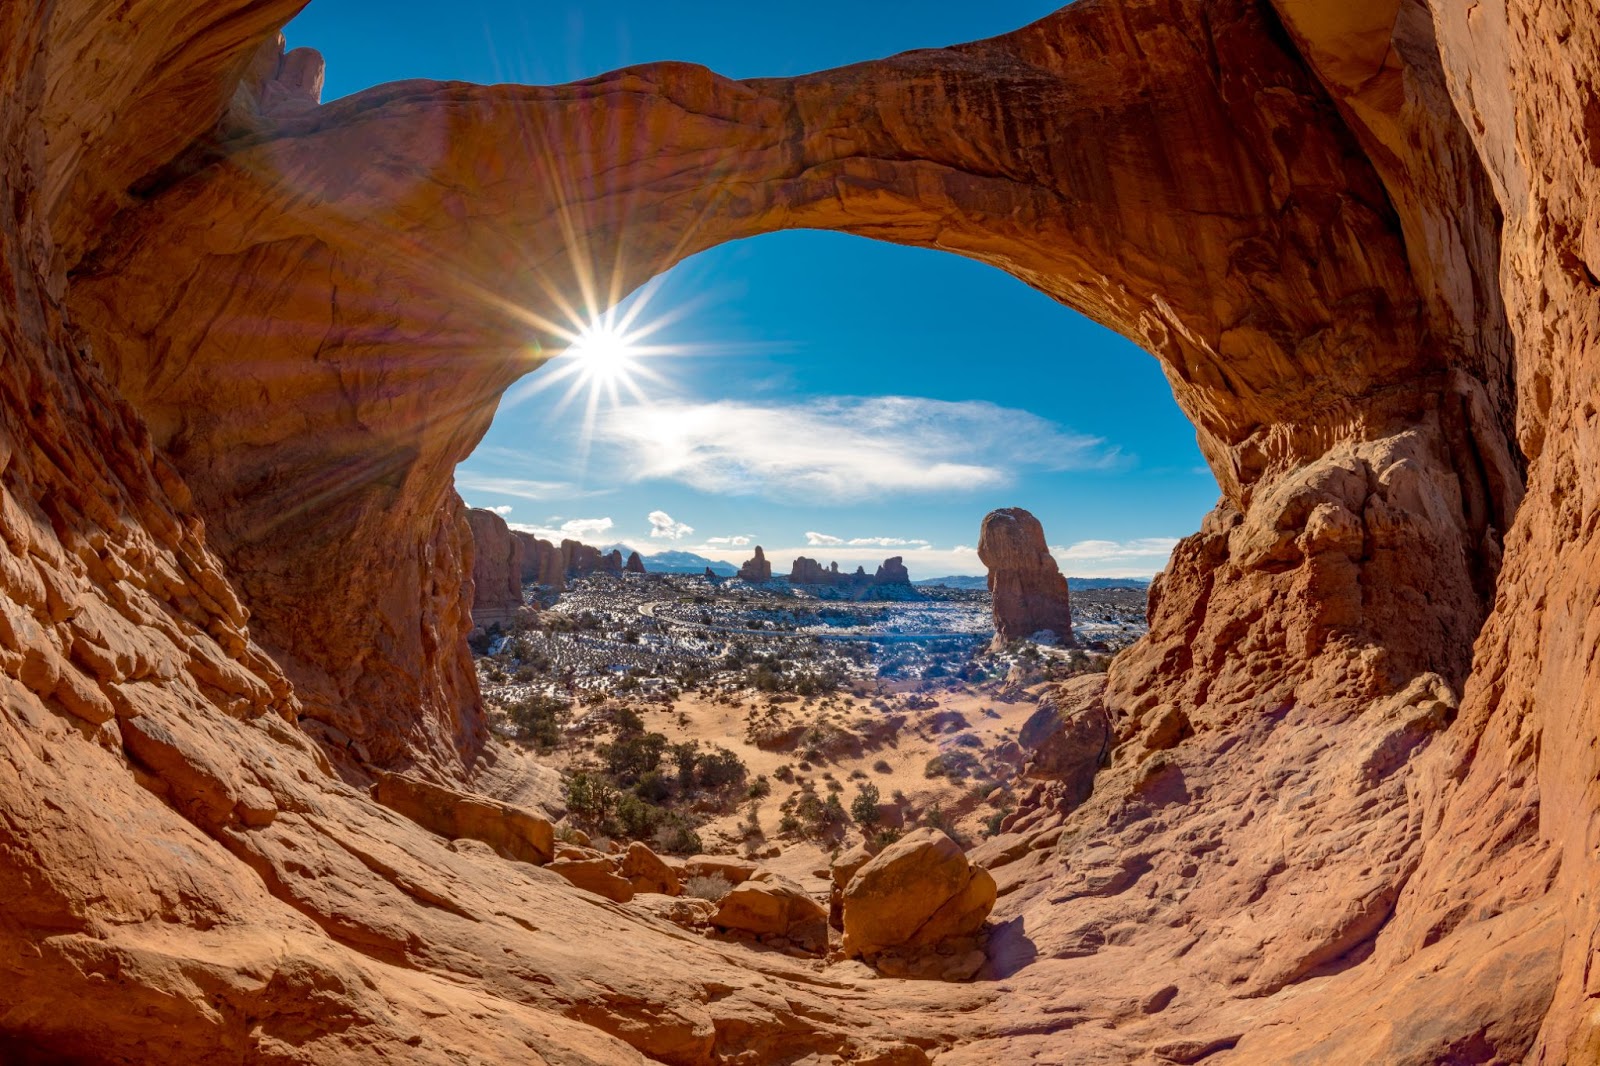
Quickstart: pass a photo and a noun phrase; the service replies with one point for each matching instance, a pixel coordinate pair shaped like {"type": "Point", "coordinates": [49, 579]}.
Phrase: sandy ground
{"type": "Point", "coordinates": [887, 740]}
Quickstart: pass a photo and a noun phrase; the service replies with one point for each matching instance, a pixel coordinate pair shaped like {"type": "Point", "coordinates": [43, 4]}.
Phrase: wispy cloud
{"type": "Point", "coordinates": [839, 449]}
{"type": "Point", "coordinates": [503, 510]}
{"type": "Point", "coordinates": [664, 527]}
{"type": "Point", "coordinates": [523, 488]}
{"type": "Point", "coordinates": [739, 541]}
{"type": "Point", "coordinates": [823, 540]}
{"type": "Point", "coordinates": [572, 528]}
{"type": "Point", "coordinates": [1140, 557]}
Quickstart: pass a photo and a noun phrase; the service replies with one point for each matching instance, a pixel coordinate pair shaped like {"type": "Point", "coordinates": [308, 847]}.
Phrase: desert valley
{"type": "Point", "coordinates": [305, 761]}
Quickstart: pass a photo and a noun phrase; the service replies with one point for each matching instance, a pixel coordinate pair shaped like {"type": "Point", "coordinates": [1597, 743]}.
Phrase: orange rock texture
{"type": "Point", "coordinates": [1349, 809]}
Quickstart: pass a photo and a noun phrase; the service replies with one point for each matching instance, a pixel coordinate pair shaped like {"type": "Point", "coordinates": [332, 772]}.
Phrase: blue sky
{"type": "Point", "coordinates": [833, 396]}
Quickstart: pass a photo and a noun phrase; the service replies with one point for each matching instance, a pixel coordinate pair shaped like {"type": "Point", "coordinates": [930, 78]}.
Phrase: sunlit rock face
{"type": "Point", "coordinates": [248, 337]}
{"type": "Point", "coordinates": [1028, 593]}
{"type": "Point", "coordinates": [498, 565]}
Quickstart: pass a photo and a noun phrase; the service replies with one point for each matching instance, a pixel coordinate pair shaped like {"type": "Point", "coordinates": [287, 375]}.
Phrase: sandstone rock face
{"type": "Point", "coordinates": [1029, 593]}
{"type": "Point", "coordinates": [810, 572]}
{"type": "Point", "coordinates": [498, 561]}
{"type": "Point", "coordinates": [635, 564]}
{"type": "Point", "coordinates": [1349, 811]}
{"type": "Point", "coordinates": [1068, 737]}
{"type": "Point", "coordinates": [542, 562]}
{"type": "Point", "coordinates": [756, 568]}
{"type": "Point", "coordinates": [514, 833]}
{"type": "Point", "coordinates": [917, 893]}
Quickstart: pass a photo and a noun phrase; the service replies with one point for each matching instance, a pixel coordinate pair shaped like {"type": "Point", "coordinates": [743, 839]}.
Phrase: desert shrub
{"type": "Point", "coordinates": [719, 768]}
{"type": "Point", "coordinates": [684, 754]}
{"type": "Point", "coordinates": [538, 718]}
{"type": "Point", "coordinates": [590, 798]}
{"type": "Point", "coordinates": [935, 767]}
{"type": "Point", "coordinates": [713, 887]}
{"type": "Point", "coordinates": [882, 766]}
{"type": "Point", "coordinates": [784, 773]}
{"type": "Point", "coordinates": [678, 837]}
{"type": "Point", "coordinates": [760, 788]}
{"type": "Point", "coordinates": [864, 808]}
{"type": "Point", "coordinates": [991, 825]}
{"type": "Point", "coordinates": [884, 837]}
{"type": "Point", "coordinates": [653, 787]}
{"type": "Point", "coordinates": [935, 818]}
{"type": "Point", "coordinates": [789, 823]}
{"type": "Point", "coordinates": [637, 819]}
{"type": "Point", "coordinates": [632, 755]}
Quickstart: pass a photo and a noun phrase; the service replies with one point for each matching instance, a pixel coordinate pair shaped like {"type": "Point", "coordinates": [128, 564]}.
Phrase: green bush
{"type": "Point", "coordinates": [864, 808]}
{"type": "Point", "coordinates": [538, 718]}
{"type": "Point", "coordinates": [590, 798]}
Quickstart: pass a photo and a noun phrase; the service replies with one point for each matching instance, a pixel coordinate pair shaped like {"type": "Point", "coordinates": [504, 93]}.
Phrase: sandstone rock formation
{"type": "Point", "coordinates": [892, 572]}
{"type": "Point", "coordinates": [1068, 737]}
{"type": "Point", "coordinates": [810, 572]}
{"type": "Point", "coordinates": [1029, 593]}
{"type": "Point", "coordinates": [542, 562]}
{"type": "Point", "coordinates": [1349, 809]}
{"type": "Point", "coordinates": [635, 564]}
{"type": "Point", "coordinates": [917, 893]}
{"type": "Point", "coordinates": [756, 568]}
{"type": "Point", "coordinates": [498, 561]}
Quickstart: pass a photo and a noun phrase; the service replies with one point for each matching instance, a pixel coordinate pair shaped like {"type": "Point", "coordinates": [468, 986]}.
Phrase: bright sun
{"type": "Point", "coordinates": [605, 354]}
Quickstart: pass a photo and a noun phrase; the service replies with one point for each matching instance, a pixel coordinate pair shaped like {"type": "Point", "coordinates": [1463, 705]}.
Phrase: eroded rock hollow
{"type": "Point", "coordinates": [1348, 811]}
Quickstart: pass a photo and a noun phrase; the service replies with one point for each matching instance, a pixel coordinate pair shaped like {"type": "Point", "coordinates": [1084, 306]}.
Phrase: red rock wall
{"type": "Point", "coordinates": [497, 568]}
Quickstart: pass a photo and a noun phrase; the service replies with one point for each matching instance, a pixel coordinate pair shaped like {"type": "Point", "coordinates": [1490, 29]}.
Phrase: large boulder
{"type": "Point", "coordinates": [1068, 736]}
{"type": "Point", "coordinates": [511, 831]}
{"type": "Point", "coordinates": [597, 875]}
{"type": "Point", "coordinates": [771, 906]}
{"type": "Point", "coordinates": [649, 872]}
{"type": "Point", "coordinates": [917, 893]}
{"type": "Point", "coordinates": [1028, 592]}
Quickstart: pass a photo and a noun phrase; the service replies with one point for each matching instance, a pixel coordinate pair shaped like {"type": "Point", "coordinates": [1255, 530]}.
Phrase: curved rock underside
{"type": "Point", "coordinates": [1350, 811]}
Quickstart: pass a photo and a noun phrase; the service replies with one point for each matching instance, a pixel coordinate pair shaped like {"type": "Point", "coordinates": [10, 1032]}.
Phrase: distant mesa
{"type": "Point", "coordinates": [679, 562]}
{"type": "Point", "coordinates": [756, 569]}
{"type": "Point", "coordinates": [1028, 592]}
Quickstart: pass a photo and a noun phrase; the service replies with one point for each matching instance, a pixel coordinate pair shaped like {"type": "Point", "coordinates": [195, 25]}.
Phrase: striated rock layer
{"type": "Point", "coordinates": [1347, 807]}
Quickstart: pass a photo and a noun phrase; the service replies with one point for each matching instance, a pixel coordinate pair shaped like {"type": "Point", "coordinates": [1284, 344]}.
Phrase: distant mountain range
{"type": "Point", "coordinates": [677, 562]}
{"type": "Point", "coordinates": [969, 582]}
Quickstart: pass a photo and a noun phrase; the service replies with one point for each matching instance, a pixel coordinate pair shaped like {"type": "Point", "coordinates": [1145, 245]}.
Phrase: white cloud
{"type": "Point", "coordinates": [662, 525]}
{"type": "Point", "coordinates": [837, 449]}
{"type": "Point", "coordinates": [886, 542]}
{"type": "Point", "coordinates": [822, 540]}
{"type": "Point", "coordinates": [522, 488]}
{"type": "Point", "coordinates": [571, 529]}
{"type": "Point", "coordinates": [1141, 557]}
{"type": "Point", "coordinates": [740, 541]}
{"type": "Point", "coordinates": [503, 510]}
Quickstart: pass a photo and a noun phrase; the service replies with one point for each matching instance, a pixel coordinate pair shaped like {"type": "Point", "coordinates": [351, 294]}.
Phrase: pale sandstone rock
{"type": "Point", "coordinates": [599, 876]}
{"type": "Point", "coordinates": [647, 872]}
{"type": "Point", "coordinates": [515, 833]}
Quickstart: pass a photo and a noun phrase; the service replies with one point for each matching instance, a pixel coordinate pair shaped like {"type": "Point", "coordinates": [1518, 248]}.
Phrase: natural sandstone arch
{"type": "Point", "coordinates": [247, 339]}
{"type": "Point", "coordinates": [406, 247]}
